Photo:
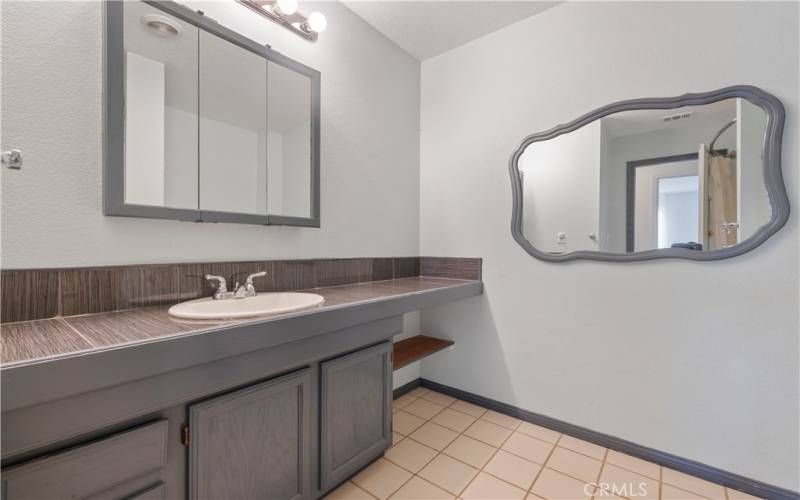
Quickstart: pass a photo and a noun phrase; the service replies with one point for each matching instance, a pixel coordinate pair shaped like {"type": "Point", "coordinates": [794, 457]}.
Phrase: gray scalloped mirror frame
{"type": "Point", "coordinates": [773, 177]}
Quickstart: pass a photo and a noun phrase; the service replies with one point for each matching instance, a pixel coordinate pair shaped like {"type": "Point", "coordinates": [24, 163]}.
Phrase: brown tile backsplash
{"type": "Point", "coordinates": [39, 294]}
{"type": "Point", "coordinates": [451, 267]}
{"type": "Point", "coordinates": [293, 275]}
{"type": "Point", "coordinates": [28, 294]}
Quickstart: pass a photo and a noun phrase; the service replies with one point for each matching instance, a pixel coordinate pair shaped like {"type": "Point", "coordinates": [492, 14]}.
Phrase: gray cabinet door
{"type": "Point", "coordinates": [356, 410]}
{"type": "Point", "coordinates": [253, 443]}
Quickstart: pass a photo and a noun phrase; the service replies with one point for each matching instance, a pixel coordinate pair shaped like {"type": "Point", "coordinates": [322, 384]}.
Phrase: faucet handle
{"type": "Point", "coordinates": [222, 285]}
{"type": "Point", "coordinates": [254, 275]}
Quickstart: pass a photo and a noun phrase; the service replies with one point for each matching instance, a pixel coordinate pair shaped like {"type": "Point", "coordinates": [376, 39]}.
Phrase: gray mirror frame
{"type": "Point", "coordinates": [114, 122]}
{"type": "Point", "coordinates": [773, 176]}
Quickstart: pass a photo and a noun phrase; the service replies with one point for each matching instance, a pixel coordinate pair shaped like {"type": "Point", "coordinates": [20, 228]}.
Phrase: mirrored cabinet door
{"type": "Point", "coordinates": [160, 118]}
{"type": "Point", "coordinates": [289, 144]}
{"type": "Point", "coordinates": [205, 125]}
{"type": "Point", "coordinates": [233, 128]}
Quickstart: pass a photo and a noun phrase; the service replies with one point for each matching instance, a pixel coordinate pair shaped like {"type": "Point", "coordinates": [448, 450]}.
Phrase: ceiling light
{"type": "Point", "coordinates": [162, 25]}
{"type": "Point", "coordinates": [317, 22]}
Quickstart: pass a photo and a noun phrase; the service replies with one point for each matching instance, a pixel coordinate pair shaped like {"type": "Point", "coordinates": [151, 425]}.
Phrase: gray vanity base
{"type": "Point", "coordinates": [311, 402]}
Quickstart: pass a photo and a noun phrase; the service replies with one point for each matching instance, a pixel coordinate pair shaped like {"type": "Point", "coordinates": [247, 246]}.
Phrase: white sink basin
{"type": "Point", "coordinates": [261, 304]}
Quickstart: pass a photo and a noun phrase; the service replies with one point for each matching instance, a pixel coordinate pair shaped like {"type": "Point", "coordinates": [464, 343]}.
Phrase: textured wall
{"type": "Point", "coordinates": [52, 104]}
{"type": "Point", "coordinates": [697, 359]}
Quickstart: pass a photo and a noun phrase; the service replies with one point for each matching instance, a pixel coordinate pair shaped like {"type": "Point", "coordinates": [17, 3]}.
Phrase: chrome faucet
{"type": "Point", "coordinates": [246, 290]}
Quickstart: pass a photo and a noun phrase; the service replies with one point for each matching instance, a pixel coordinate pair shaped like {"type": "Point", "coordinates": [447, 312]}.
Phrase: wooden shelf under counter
{"type": "Point", "coordinates": [415, 348]}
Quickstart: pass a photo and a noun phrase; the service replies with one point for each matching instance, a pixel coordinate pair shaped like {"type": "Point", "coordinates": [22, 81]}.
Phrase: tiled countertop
{"type": "Point", "coordinates": [39, 340]}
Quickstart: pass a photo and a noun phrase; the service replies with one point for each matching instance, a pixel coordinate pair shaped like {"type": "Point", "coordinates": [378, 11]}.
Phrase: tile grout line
{"type": "Point", "coordinates": [496, 451]}
{"type": "Point", "coordinates": [544, 465]}
{"type": "Point", "coordinates": [597, 487]}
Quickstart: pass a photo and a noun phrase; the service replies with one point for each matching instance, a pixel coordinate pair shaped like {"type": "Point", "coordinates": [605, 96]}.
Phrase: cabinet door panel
{"type": "Point", "coordinates": [356, 412]}
{"type": "Point", "coordinates": [253, 443]}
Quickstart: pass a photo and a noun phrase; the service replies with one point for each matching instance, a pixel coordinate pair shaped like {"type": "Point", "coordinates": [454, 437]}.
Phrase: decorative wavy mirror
{"type": "Point", "coordinates": [696, 176]}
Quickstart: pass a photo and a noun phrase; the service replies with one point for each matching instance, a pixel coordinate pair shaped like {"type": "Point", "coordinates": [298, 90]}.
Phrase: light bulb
{"type": "Point", "coordinates": [286, 7]}
{"type": "Point", "coordinates": [317, 22]}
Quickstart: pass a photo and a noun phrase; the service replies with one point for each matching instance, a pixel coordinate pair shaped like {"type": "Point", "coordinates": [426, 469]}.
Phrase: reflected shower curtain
{"type": "Point", "coordinates": [723, 213]}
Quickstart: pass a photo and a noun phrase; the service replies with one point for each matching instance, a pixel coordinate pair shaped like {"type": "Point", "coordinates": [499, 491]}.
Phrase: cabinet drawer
{"type": "Point", "coordinates": [85, 470]}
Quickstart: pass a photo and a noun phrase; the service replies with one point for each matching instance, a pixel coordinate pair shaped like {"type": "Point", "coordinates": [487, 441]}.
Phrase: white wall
{"type": "Point", "coordinates": [754, 209]}
{"type": "Point", "coordinates": [296, 175]}
{"type": "Point", "coordinates": [560, 187]}
{"type": "Point", "coordinates": [52, 104]}
{"type": "Point", "coordinates": [144, 149]}
{"type": "Point", "coordinates": [696, 359]}
{"type": "Point", "coordinates": [230, 161]}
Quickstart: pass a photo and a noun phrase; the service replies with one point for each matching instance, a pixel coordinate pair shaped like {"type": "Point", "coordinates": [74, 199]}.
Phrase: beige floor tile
{"type": "Point", "coordinates": [634, 464]}
{"type": "Point", "coordinates": [349, 491]}
{"type": "Point", "coordinates": [405, 423]}
{"type": "Point", "coordinates": [420, 489]}
{"type": "Point", "coordinates": [581, 446]}
{"type": "Point", "coordinates": [410, 455]}
{"type": "Point", "coordinates": [625, 483]}
{"type": "Point", "coordinates": [489, 487]}
{"type": "Point", "coordinates": [527, 447]}
{"type": "Point", "coordinates": [468, 408]}
{"type": "Point", "coordinates": [439, 398]}
{"type": "Point", "coordinates": [488, 432]}
{"type": "Point", "coordinates": [554, 485]}
{"type": "Point", "coordinates": [501, 420]}
{"type": "Point", "coordinates": [382, 478]}
{"type": "Point", "coordinates": [448, 473]}
{"type": "Point", "coordinates": [453, 419]}
{"type": "Point", "coordinates": [402, 401]}
{"type": "Point", "coordinates": [672, 493]}
{"type": "Point", "coordinates": [470, 451]}
{"type": "Point", "coordinates": [419, 392]}
{"type": "Point", "coordinates": [693, 484]}
{"type": "Point", "coordinates": [396, 438]}
{"type": "Point", "coordinates": [434, 435]}
{"type": "Point", "coordinates": [423, 408]}
{"type": "Point", "coordinates": [513, 469]}
{"type": "Point", "coordinates": [539, 432]}
{"type": "Point", "coordinates": [574, 464]}
{"type": "Point", "coordinates": [739, 495]}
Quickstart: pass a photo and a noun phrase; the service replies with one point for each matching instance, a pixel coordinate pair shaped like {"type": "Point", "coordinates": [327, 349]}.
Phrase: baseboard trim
{"type": "Point", "coordinates": [406, 388]}
{"type": "Point", "coordinates": [735, 481]}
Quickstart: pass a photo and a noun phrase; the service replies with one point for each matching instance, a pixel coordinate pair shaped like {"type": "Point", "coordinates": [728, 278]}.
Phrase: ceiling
{"type": "Point", "coordinates": [427, 28]}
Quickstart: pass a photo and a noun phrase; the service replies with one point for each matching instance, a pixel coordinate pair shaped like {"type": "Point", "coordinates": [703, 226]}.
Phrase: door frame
{"type": "Point", "coordinates": [630, 190]}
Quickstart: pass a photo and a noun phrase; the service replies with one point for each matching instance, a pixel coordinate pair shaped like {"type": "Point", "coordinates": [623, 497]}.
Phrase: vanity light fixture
{"type": "Point", "coordinates": [284, 12]}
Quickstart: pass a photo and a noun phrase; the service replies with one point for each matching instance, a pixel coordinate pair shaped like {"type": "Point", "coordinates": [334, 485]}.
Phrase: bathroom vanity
{"type": "Point", "coordinates": [277, 407]}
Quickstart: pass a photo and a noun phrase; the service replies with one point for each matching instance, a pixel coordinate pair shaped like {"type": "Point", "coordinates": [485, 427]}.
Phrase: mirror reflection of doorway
{"type": "Point", "coordinates": [677, 213]}
{"type": "Point", "coordinates": [663, 202]}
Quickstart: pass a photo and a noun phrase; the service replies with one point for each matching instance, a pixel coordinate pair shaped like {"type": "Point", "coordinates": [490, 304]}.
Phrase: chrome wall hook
{"type": "Point", "coordinates": [11, 159]}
